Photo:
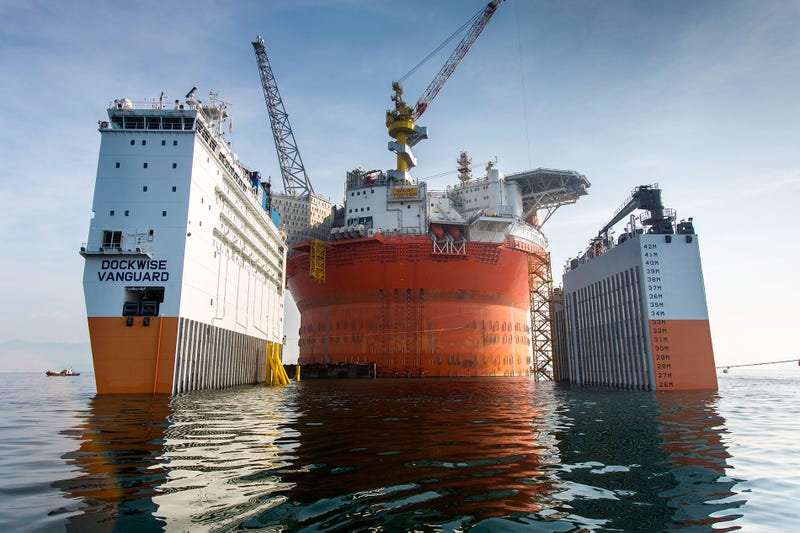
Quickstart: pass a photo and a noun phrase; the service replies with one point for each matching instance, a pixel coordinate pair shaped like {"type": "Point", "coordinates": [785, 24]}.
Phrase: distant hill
{"type": "Point", "coordinates": [28, 356]}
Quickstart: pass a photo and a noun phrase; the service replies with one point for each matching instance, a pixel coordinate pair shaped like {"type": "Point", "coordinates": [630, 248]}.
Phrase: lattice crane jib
{"type": "Point", "coordinates": [295, 178]}
{"type": "Point", "coordinates": [479, 22]}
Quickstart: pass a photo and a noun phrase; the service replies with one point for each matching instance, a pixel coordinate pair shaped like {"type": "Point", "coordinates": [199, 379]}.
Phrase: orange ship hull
{"type": "Point", "coordinates": [133, 359]}
{"type": "Point", "coordinates": [172, 355]}
{"type": "Point", "coordinates": [393, 302]}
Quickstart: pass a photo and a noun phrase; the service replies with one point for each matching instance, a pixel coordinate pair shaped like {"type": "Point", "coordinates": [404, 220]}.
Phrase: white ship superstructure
{"type": "Point", "coordinates": [491, 209]}
{"type": "Point", "coordinates": [185, 267]}
{"type": "Point", "coordinates": [634, 311]}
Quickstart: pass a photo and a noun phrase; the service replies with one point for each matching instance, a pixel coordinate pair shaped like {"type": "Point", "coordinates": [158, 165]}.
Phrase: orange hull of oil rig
{"type": "Point", "coordinates": [395, 303]}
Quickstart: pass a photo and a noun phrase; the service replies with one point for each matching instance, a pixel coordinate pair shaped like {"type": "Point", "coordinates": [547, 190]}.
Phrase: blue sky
{"type": "Point", "coordinates": [698, 96]}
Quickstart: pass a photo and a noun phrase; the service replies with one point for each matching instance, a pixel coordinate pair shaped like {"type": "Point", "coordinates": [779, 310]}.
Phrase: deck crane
{"type": "Point", "coordinates": [658, 219]}
{"type": "Point", "coordinates": [647, 198]}
{"type": "Point", "coordinates": [401, 121]}
{"type": "Point", "coordinates": [304, 214]}
{"type": "Point", "coordinates": [295, 177]}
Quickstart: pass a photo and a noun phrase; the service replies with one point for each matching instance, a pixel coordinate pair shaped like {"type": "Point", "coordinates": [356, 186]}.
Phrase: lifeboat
{"type": "Point", "coordinates": [454, 232]}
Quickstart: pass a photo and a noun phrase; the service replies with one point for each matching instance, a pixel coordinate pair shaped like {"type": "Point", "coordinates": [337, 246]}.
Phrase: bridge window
{"type": "Point", "coordinates": [112, 239]}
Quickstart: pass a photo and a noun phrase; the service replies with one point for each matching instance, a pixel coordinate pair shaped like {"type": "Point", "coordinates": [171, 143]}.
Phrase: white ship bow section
{"type": "Point", "coordinates": [181, 229]}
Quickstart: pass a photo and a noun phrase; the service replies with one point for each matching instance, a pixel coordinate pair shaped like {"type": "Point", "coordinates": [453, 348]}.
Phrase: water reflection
{"type": "Point", "coordinates": [406, 454]}
{"type": "Point", "coordinates": [694, 437]}
{"type": "Point", "coordinates": [221, 450]}
{"type": "Point", "coordinates": [642, 460]}
{"type": "Point", "coordinates": [340, 455]}
{"type": "Point", "coordinates": [501, 454]}
{"type": "Point", "coordinates": [121, 441]}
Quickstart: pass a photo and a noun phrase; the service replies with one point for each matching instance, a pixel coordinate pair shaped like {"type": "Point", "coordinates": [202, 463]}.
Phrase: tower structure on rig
{"type": "Point", "coordinates": [402, 120]}
{"type": "Point", "coordinates": [304, 214]}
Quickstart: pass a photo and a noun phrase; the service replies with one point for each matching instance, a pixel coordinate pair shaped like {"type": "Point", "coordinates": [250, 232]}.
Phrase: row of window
{"type": "Point", "coordinates": [464, 191]}
{"type": "Point", "coordinates": [163, 142]}
{"type": "Point", "coordinates": [362, 209]}
{"type": "Point", "coordinates": [138, 122]}
{"type": "Point", "coordinates": [113, 238]}
{"type": "Point", "coordinates": [113, 212]}
{"type": "Point", "coordinates": [292, 206]}
{"type": "Point", "coordinates": [366, 221]}
{"type": "Point", "coordinates": [127, 212]}
{"type": "Point", "coordinates": [174, 189]}
{"type": "Point", "coordinates": [144, 165]}
{"type": "Point", "coordinates": [358, 193]}
{"type": "Point", "coordinates": [469, 200]}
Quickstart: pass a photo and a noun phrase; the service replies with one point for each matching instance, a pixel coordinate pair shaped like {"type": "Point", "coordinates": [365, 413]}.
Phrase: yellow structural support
{"type": "Point", "coordinates": [316, 267]}
{"type": "Point", "coordinates": [276, 372]}
{"type": "Point", "coordinates": [297, 372]}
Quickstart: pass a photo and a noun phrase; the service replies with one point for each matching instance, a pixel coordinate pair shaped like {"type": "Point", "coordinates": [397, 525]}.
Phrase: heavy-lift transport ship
{"type": "Point", "coordinates": [633, 311]}
{"type": "Point", "coordinates": [185, 266]}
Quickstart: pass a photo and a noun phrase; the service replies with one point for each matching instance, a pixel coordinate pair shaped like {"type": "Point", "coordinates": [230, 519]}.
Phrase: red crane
{"type": "Point", "coordinates": [478, 23]}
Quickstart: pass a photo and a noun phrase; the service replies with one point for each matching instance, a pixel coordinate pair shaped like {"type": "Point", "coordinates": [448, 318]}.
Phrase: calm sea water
{"type": "Point", "coordinates": [499, 454]}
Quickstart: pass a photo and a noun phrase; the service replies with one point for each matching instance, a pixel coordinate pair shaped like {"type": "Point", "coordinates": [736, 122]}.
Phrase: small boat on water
{"type": "Point", "coordinates": [65, 372]}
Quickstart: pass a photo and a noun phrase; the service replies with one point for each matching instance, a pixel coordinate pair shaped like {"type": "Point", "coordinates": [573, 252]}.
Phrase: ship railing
{"type": "Point", "coordinates": [155, 103]}
{"type": "Point", "coordinates": [646, 216]}
{"type": "Point", "coordinates": [628, 200]}
{"type": "Point", "coordinates": [359, 178]}
{"type": "Point", "coordinates": [595, 249]}
{"type": "Point", "coordinates": [505, 210]}
{"type": "Point", "coordinates": [151, 122]}
{"type": "Point", "coordinates": [522, 232]}
{"type": "Point", "coordinates": [400, 231]}
{"type": "Point", "coordinates": [438, 194]}
{"type": "Point", "coordinates": [231, 166]}
{"type": "Point", "coordinates": [114, 249]}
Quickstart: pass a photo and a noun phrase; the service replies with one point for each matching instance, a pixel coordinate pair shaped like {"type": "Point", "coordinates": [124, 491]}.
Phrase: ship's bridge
{"type": "Point", "coordinates": [547, 189]}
